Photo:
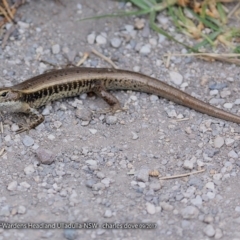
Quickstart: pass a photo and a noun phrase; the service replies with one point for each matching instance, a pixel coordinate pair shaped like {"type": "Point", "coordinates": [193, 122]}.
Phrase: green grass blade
{"type": "Point", "coordinates": [237, 49]}
{"type": "Point", "coordinates": [206, 22]}
{"type": "Point", "coordinates": [211, 36]}
{"type": "Point", "coordinates": [118, 14]}
{"type": "Point", "coordinates": [222, 14]}
{"type": "Point", "coordinates": [172, 13]}
{"type": "Point", "coordinates": [141, 4]}
{"type": "Point", "coordinates": [154, 26]}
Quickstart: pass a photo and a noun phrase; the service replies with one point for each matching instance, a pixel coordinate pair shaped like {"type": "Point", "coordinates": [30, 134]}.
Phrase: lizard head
{"type": "Point", "coordinates": [8, 94]}
{"type": "Point", "coordinates": [9, 99]}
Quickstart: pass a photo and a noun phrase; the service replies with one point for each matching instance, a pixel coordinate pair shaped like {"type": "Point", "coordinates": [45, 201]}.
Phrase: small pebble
{"type": "Point", "coordinates": [92, 131]}
{"type": "Point", "coordinates": [153, 98]}
{"type": "Point", "coordinates": [209, 230]}
{"type": "Point", "coordinates": [111, 120]}
{"type": "Point", "coordinates": [218, 142]}
{"type": "Point", "coordinates": [91, 38]}
{"type": "Point", "coordinates": [218, 233]}
{"type": "Point", "coordinates": [21, 209]}
{"type": "Point", "coordinates": [210, 185]}
{"type": "Point", "coordinates": [57, 124]}
{"type": "Point", "coordinates": [145, 49]}
{"type": "Point", "coordinates": [91, 162]}
{"type": "Point", "coordinates": [14, 127]}
{"type": "Point", "coordinates": [12, 186]}
{"type": "Point", "coordinates": [166, 206]}
{"type": "Point", "coordinates": [29, 170]}
{"type": "Point", "coordinates": [134, 136]}
{"type": "Point", "coordinates": [100, 39]}
{"type": "Point", "coordinates": [70, 234]}
{"type": "Point", "coordinates": [5, 211]}
{"type": "Point", "coordinates": [217, 86]}
{"type": "Point", "coordinates": [25, 185]}
{"type": "Point", "coordinates": [143, 175]}
{"type": "Point", "coordinates": [116, 42]}
{"type": "Point", "coordinates": [23, 24]}
{"type": "Point", "coordinates": [176, 78]}
{"type": "Point", "coordinates": [188, 164]}
{"type": "Point", "coordinates": [228, 105]}
{"type": "Point", "coordinates": [232, 154]}
{"type": "Point", "coordinates": [100, 175]}
{"type": "Point", "coordinates": [190, 212]}
{"type": "Point", "coordinates": [108, 213]}
{"type": "Point", "coordinates": [28, 141]}
{"type": "Point", "coordinates": [45, 156]}
{"type": "Point", "coordinates": [56, 49]}
{"type": "Point", "coordinates": [150, 208]}
{"type": "Point", "coordinates": [155, 186]}
{"type": "Point", "coordinates": [84, 114]}
{"type": "Point", "coordinates": [51, 137]}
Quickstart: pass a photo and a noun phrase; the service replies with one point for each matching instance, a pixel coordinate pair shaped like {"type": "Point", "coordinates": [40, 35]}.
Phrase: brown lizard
{"type": "Point", "coordinates": [35, 92]}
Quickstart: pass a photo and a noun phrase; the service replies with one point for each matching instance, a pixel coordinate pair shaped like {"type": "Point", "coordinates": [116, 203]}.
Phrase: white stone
{"type": "Point", "coordinates": [150, 208]}
{"type": "Point", "coordinates": [228, 105]}
{"type": "Point", "coordinates": [229, 141]}
{"type": "Point", "coordinates": [209, 230]}
{"type": "Point", "coordinates": [92, 131]}
{"type": "Point", "coordinates": [232, 154]}
{"type": "Point", "coordinates": [176, 78]}
{"type": "Point", "coordinates": [100, 39]}
{"type": "Point", "coordinates": [210, 185]}
{"type": "Point", "coordinates": [218, 142]}
{"type": "Point", "coordinates": [12, 186]}
{"type": "Point", "coordinates": [29, 170]}
{"type": "Point", "coordinates": [188, 164]}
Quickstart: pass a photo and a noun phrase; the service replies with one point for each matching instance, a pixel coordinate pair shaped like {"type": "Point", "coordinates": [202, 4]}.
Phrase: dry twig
{"type": "Point", "coordinates": [181, 175]}
{"type": "Point", "coordinates": [83, 59]}
{"type": "Point", "coordinates": [104, 58]}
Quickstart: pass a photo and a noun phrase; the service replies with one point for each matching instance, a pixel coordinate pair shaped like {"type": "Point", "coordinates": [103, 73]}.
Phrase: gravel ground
{"type": "Point", "coordinates": [84, 168]}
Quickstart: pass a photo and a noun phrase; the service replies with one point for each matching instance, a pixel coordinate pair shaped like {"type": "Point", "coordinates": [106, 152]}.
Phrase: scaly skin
{"type": "Point", "coordinates": [31, 94]}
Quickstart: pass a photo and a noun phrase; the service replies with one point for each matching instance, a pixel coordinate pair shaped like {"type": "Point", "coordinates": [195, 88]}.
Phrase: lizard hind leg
{"type": "Point", "coordinates": [114, 103]}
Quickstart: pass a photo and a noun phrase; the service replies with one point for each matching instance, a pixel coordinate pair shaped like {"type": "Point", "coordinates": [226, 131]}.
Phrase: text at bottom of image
{"type": "Point", "coordinates": [77, 225]}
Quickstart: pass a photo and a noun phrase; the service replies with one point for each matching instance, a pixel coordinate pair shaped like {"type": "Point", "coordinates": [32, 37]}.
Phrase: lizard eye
{"type": "Point", "coordinates": [4, 94]}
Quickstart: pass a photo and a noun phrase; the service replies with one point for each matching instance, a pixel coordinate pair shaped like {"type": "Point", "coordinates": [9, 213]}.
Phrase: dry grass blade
{"type": "Point", "coordinates": [83, 59]}
{"type": "Point", "coordinates": [234, 10]}
{"type": "Point", "coordinates": [181, 175]}
{"type": "Point", "coordinates": [8, 11]}
{"type": "Point", "coordinates": [7, 35]}
{"type": "Point", "coordinates": [2, 151]}
{"type": "Point", "coordinates": [104, 58]}
{"type": "Point", "coordinates": [5, 14]}
{"type": "Point", "coordinates": [6, 5]}
{"type": "Point", "coordinates": [223, 57]}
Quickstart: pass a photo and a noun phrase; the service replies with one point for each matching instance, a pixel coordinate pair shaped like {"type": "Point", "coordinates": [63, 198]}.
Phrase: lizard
{"type": "Point", "coordinates": [28, 96]}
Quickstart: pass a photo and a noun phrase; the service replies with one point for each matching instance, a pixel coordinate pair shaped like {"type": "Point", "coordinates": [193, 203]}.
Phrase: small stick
{"type": "Point", "coordinates": [8, 9]}
{"type": "Point", "coordinates": [233, 10]}
{"type": "Point", "coordinates": [104, 58]}
{"type": "Point", "coordinates": [83, 59]}
{"type": "Point", "coordinates": [181, 175]}
{"type": "Point", "coordinates": [168, 60]}
{"type": "Point", "coordinates": [7, 35]}
{"type": "Point", "coordinates": [2, 151]}
{"type": "Point", "coordinates": [227, 57]}
{"type": "Point", "coordinates": [181, 120]}
{"type": "Point", "coordinates": [205, 54]}
{"type": "Point", "coordinates": [1, 127]}
{"type": "Point", "coordinates": [5, 14]}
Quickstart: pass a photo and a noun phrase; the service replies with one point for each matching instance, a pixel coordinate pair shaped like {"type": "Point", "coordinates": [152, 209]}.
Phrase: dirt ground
{"type": "Point", "coordinates": [99, 163]}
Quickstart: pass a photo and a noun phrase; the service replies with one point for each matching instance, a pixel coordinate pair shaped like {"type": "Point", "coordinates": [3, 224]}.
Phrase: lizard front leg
{"type": "Point", "coordinates": [39, 118]}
